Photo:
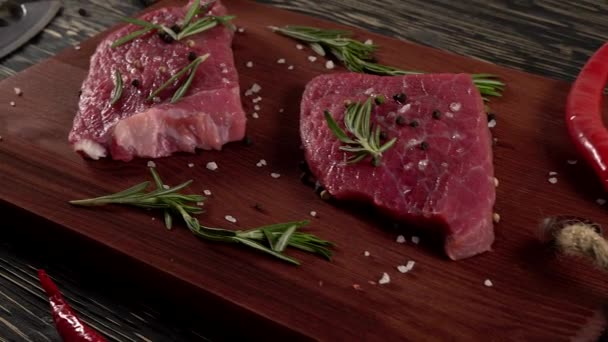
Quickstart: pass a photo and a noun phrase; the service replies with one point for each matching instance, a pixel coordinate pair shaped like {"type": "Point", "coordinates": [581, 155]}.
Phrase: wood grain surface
{"type": "Point", "coordinates": [551, 147]}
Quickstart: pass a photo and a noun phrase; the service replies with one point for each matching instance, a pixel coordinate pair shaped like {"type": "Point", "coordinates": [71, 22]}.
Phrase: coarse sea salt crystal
{"type": "Point", "coordinates": [257, 99]}
{"type": "Point", "coordinates": [369, 42]}
{"type": "Point", "coordinates": [312, 58]}
{"type": "Point", "coordinates": [313, 213]}
{"type": "Point", "coordinates": [488, 283]}
{"type": "Point", "coordinates": [18, 91]}
{"type": "Point", "coordinates": [366, 253]}
{"type": "Point", "coordinates": [281, 110]}
{"type": "Point", "coordinates": [495, 182]}
{"type": "Point", "coordinates": [275, 175]}
{"type": "Point", "coordinates": [402, 268]}
{"type": "Point", "coordinates": [492, 123]}
{"type": "Point", "coordinates": [600, 201]}
{"type": "Point", "coordinates": [415, 240]}
{"type": "Point", "coordinates": [290, 67]}
{"type": "Point", "coordinates": [400, 239]}
{"type": "Point", "coordinates": [552, 180]}
{"type": "Point", "coordinates": [281, 61]}
{"type": "Point", "coordinates": [151, 164]}
{"type": "Point", "coordinates": [256, 88]}
{"type": "Point", "coordinates": [552, 173]}
{"type": "Point", "coordinates": [572, 161]}
{"type": "Point", "coordinates": [212, 166]}
{"type": "Point", "coordinates": [385, 279]}
{"type": "Point", "coordinates": [230, 218]}
{"type": "Point", "coordinates": [12, 103]}
{"type": "Point", "coordinates": [255, 115]}
{"type": "Point", "coordinates": [166, 187]}
{"type": "Point", "coordinates": [329, 65]}
{"type": "Point", "coordinates": [207, 192]}
{"type": "Point", "coordinates": [190, 165]}
{"type": "Point", "coordinates": [299, 46]}
{"type": "Point", "coordinates": [455, 106]}
{"type": "Point", "coordinates": [249, 64]}
{"type": "Point", "coordinates": [257, 107]}
{"type": "Point", "coordinates": [241, 30]}
{"type": "Point", "coordinates": [496, 217]}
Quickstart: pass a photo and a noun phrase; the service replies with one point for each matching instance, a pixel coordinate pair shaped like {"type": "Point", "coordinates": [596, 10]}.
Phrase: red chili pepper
{"type": "Point", "coordinates": [69, 327]}
{"type": "Point", "coordinates": [584, 113]}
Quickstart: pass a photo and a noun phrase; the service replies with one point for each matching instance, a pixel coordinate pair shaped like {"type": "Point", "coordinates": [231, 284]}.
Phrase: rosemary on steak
{"type": "Point", "coordinates": [191, 70]}
{"type": "Point", "coordinates": [117, 92]}
{"type": "Point", "coordinates": [365, 138]}
{"type": "Point", "coordinates": [271, 239]}
{"type": "Point", "coordinates": [187, 28]}
{"type": "Point", "coordinates": [358, 56]}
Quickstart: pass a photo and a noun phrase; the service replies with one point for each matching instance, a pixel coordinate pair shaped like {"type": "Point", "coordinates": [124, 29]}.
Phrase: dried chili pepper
{"type": "Point", "coordinates": [584, 113]}
{"type": "Point", "coordinates": [69, 327]}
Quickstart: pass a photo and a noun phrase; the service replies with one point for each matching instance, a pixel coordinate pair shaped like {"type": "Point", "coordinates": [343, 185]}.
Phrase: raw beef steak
{"type": "Point", "coordinates": [209, 115]}
{"type": "Point", "coordinates": [438, 173]}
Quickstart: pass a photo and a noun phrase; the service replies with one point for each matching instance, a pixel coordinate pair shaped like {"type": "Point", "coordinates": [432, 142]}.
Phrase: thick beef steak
{"type": "Point", "coordinates": [208, 116]}
{"type": "Point", "coordinates": [439, 172]}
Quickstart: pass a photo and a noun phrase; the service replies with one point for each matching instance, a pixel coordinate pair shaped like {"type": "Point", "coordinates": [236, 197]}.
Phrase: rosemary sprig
{"type": "Point", "coordinates": [366, 138]}
{"type": "Point", "coordinates": [358, 56]}
{"type": "Point", "coordinates": [191, 69]}
{"type": "Point", "coordinates": [269, 239]}
{"type": "Point", "coordinates": [117, 92]}
{"type": "Point", "coordinates": [188, 27]}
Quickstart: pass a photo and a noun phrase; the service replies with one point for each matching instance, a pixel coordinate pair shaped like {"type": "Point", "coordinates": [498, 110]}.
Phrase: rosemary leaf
{"type": "Point", "coordinates": [366, 141]}
{"type": "Point", "coordinates": [184, 88]}
{"type": "Point", "coordinates": [192, 11]}
{"type": "Point", "coordinates": [179, 74]}
{"type": "Point", "coordinates": [141, 22]}
{"type": "Point", "coordinates": [117, 92]}
{"type": "Point", "coordinates": [358, 57]}
{"type": "Point", "coordinates": [284, 239]}
{"type": "Point", "coordinates": [270, 239]}
{"type": "Point", "coordinates": [316, 47]}
{"type": "Point", "coordinates": [130, 37]}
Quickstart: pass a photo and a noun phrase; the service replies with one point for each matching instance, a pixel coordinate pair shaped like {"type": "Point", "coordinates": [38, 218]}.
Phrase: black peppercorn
{"type": "Point", "coordinates": [424, 146]}
{"type": "Point", "coordinates": [135, 83]}
{"type": "Point", "coordinates": [400, 120]}
{"type": "Point", "coordinates": [414, 123]}
{"type": "Point", "coordinates": [436, 115]}
{"type": "Point", "coordinates": [191, 56]}
{"type": "Point", "coordinates": [401, 97]}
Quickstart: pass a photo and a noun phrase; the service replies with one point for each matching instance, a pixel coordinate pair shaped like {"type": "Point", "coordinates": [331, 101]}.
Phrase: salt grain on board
{"type": "Point", "coordinates": [600, 201]}
{"type": "Point", "coordinates": [492, 123]}
{"type": "Point", "coordinates": [281, 110]}
{"type": "Point", "coordinates": [400, 239]}
{"type": "Point", "coordinates": [488, 283]}
{"type": "Point", "coordinates": [18, 91]}
{"type": "Point", "coordinates": [241, 30]}
{"type": "Point", "coordinates": [257, 99]}
{"type": "Point", "coordinates": [299, 46]}
{"type": "Point", "coordinates": [313, 213]}
{"type": "Point", "coordinates": [495, 182]}
{"type": "Point", "coordinates": [415, 240]}
{"type": "Point", "coordinates": [207, 192]}
{"type": "Point", "coordinates": [249, 64]}
{"type": "Point", "coordinates": [212, 166]}
{"type": "Point", "coordinates": [281, 61]}
{"type": "Point", "coordinates": [496, 217]}
{"type": "Point", "coordinates": [385, 279]}
{"type": "Point", "coordinates": [402, 269]}
{"type": "Point", "coordinates": [369, 42]}
{"type": "Point", "coordinates": [572, 161]}
{"type": "Point", "coordinates": [290, 67]}
{"type": "Point", "coordinates": [190, 165]}
{"type": "Point", "coordinates": [552, 173]}
{"type": "Point", "coordinates": [151, 164]}
{"type": "Point", "coordinates": [312, 58]}
{"type": "Point", "coordinates": [366, 253]}
{"type": "Point", "coordinates": [329, 65]}
{"type": "Point", "coordinates": [166, 187]}
{"type": "Point", "coordinates": [257, 107]}
{"type": "Point", "coordinates": [230, 218]}
{"type": "Point", "coordinates": [275, 175]}
{"type": "Point", "coordinates": [256, 88]}
{"type": "Point", "coordinates": [12, 103]}
{"type": "Point", "coordinates": [552, 180]}
{"type": "Point", "coordinates": [255, 115]}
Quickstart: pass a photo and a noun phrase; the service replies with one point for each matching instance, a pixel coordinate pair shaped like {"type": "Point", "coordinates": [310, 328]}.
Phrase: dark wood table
{"type": "Point", "coordinates": [552, 38]}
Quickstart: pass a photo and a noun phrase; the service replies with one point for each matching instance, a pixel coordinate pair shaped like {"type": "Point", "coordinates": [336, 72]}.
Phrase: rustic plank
{"type": "Point", "coordinates": [508, 35]}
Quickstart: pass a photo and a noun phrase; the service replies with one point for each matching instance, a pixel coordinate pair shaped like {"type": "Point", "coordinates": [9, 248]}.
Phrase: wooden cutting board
{"type": "Point", "coordinates": [535, 296]}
